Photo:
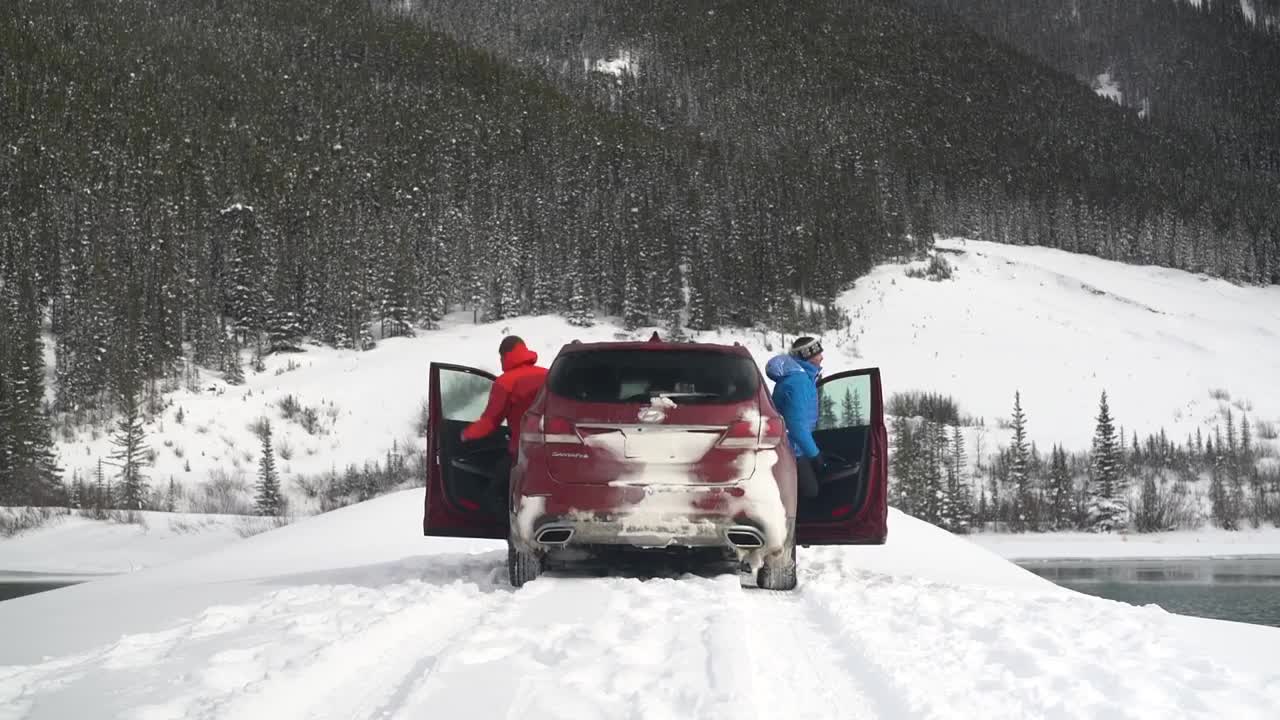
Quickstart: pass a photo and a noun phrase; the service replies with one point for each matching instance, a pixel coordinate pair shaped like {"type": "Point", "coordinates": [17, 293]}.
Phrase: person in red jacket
{"type": "Point", "coordinates": [511, 395]}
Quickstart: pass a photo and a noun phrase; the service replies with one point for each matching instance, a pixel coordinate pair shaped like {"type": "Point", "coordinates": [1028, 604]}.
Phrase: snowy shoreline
{"type": "Point", "coordinates": [1205, 543]}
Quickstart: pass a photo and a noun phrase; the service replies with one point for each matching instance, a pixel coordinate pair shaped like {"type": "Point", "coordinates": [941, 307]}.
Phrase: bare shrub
{"type": "Point", "coordinates": [284, 448]}
{"type": "Point", "coordinates": [223, 493]}
{"type": "Point", "coordinates": [1163, 505]}
{"type": "Point", "coordinates": [250, 526]}
{"type": "Point", "coordinates": [1267, 430]}
{"type": "Point", "coordinates": [260, 427]}
{"type": "Point", "coordinates": [310, 420]}
{"type": "Point", "coordinates": [289, 407]}
{"type": "Point", "coordinates": [127, 517]}
{"type": "Point", "coordinates": [21, 519]}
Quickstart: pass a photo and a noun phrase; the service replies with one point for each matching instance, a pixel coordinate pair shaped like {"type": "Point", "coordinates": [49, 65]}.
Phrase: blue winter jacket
{"type": "Point", "coordinates": [795, 394]}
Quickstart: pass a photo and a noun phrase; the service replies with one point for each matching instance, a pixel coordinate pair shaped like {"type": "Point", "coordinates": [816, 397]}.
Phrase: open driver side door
{"type": "Point", "coordinates": [853, 506]}
{"type": "Point", "coordinates": [458, 472]}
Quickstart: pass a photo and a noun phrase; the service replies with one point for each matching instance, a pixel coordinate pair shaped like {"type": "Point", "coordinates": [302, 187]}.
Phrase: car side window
{"type": "Point", "coordinates": [845, 403]}
{"type": "Point", "coordinates": [463, 395]}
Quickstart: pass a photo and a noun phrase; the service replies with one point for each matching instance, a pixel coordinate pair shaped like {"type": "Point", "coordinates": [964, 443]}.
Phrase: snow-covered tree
{"type": "Point", "coordinates": [1107, 508]}
{"type": "Point", "coordinates": [269, 500]}
{"type": "Point", "coordinates": [1060, 490]}
{"type": "Point", "coordinates": [130, 454]}
{"type": "Point", "coordinates": [1020, 464]}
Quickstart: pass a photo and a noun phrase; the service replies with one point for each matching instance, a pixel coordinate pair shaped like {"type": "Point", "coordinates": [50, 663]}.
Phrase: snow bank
{"type": "Point", "coordinates": [354, 614]}
{"type": "Point", "coordinates": [74, 545]}
{"type": "Point", "coordinates": [1206, 542]}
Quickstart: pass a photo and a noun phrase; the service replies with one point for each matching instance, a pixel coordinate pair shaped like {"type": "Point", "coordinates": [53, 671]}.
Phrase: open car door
{"type": "Point", "coordinates": [458, 473]}
{"type": "Point", "coordinates": [853, 505]}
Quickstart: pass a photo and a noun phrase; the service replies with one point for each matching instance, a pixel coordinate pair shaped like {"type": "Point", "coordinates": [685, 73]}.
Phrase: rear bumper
{"type": "Point", "coordinates": [647, 532]}
{"type": "Point", "coordinates": [651, 517]}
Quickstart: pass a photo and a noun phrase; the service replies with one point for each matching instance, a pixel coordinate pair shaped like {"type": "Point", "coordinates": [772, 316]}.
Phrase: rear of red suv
{"type": "Point", "coordinates": [654, 445]}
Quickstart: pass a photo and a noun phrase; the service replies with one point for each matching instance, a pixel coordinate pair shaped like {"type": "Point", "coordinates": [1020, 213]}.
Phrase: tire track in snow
{"type": "Point", "coordinates": [308, 651]}
{"type": "Point", "coordinates": [598, 647]}
{"type": "Point", "coordinates": [365, 670]}
{"type": "Point", "coordinates": [804, 665]}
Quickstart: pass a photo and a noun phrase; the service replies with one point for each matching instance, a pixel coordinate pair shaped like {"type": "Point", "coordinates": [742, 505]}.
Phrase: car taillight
{"type": "Point", "coordinates": [544, 429]}
{"type": "Point", "coordinates": [741, 435]}
{"type": "Point", "coordinates": [759, 434]}
{"type": "Point", "coordinates": [772, 432]}
{"type": "Point", "coordinates": [560, 430]}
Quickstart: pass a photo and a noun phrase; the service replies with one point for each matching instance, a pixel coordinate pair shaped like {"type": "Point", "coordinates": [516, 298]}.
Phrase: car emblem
{"type": "Point", "coordinates": [652, 414]}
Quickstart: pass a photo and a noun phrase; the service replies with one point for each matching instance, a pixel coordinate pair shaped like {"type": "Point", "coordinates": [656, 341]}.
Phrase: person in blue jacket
{"type": "Point", "coordinates": [795, 394]}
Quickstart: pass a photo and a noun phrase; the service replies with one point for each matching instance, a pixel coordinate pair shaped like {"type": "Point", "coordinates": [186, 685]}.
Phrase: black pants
{"type": "Point", "coordinates": [500, 486]}
{"type": "Point", "coordinates": [807, 477]}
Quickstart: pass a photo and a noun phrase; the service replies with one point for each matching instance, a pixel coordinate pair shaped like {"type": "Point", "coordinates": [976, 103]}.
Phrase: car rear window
{"type": "Point", "coordinates": [686, 376]}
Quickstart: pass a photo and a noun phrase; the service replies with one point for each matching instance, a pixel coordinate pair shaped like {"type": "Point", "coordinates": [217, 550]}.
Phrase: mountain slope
{"type": "Point", "coordinates": [912, 109]}
{"type": "Point", "coordinates": [305, 623]}
{"type": "Point", "coordinates": [1203, 67]}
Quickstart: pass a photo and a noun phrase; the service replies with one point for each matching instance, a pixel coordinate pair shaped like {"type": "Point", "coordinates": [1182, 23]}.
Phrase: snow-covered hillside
{"type": "Point", "coordinates": [1061, 328]}
{"type": "Point", "coordinates": [354, 614]}
{"type": "Point", "coordinates": [1058, 327]}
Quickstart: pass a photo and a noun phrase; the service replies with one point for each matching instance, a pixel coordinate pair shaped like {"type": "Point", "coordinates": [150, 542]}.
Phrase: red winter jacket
{"type": "Point", "coordinates": [512, 394]}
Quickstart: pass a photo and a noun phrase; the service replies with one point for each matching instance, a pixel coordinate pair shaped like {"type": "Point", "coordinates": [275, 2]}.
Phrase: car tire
{"type": "Point", "coordinates": [778, 575]}
{"type": "Point", "coordinates": [522, 565]}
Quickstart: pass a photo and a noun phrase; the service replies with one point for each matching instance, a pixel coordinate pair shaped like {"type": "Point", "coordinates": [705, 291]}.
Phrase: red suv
{"type": "Point", "coordinates": [658, 445]}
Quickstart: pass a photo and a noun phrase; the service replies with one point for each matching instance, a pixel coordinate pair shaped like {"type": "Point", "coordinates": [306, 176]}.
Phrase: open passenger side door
{"type": "Point", "coordinates": [458, 473]}
{"type": "Point", "coordinates": [853, 507]}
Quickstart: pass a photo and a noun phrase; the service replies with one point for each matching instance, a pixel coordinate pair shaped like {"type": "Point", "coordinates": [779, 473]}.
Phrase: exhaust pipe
{"type": "Point", "coordinates": [554, 535]}
{"type": "Point", "coordinates": [745, 537]}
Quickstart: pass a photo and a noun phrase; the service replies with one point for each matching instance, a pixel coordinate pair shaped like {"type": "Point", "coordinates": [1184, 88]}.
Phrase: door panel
{"type": "Point", "coordinates": [458, 473]}
{"type": "Point", "coordinates": [852, 507]}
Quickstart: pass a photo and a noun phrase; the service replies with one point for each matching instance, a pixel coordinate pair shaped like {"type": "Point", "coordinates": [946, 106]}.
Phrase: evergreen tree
{"type": "Point", "coordinates": [931, 475]}
{"type": "Point", "coordinates": [233, 371]}
{"type": "Point", "coordinates": [827, 412]}
{"type": "Point", "coordinates": [1107, 509]}
{"type": "Point", "coordinates": [269, 500]}
{"type": "Point", "coordinates": [1060, 490]}
{"type": "Point", "coordinates": [1020, 465]}
{"type": "Point", "coordinates": [130, 454]}
{"type": "Point", "coordinates": [28, 468]}
{"type": "Point", "coordinates": [905, 493]}
{"type": "Point", "coordinates": [958, 480]}
{"type": "Point", "coordinates": [1106, 461]}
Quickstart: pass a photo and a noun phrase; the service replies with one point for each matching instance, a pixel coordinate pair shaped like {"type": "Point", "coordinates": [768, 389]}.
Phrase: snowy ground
{"type": "Point", "coordinates": [73, 545]}
{"type": "Point", "coordinates": [1205, 542]}
{"type": "Point", "coordinates": [1059, 327]}
{"type": "Point", "coordinates": [354, 614]}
